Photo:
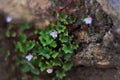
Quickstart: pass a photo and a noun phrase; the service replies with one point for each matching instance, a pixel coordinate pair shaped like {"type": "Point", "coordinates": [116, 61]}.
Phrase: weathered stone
{"type": "Point", "coordinates": [30, 10]}
{"type": "Point", "coordinates": [112, 8]}
{"type": "Point", "coordinates": [83, 37]}
{"type": "Point", "coordinates": [108, 39]}
{"type": "Point", "coordinates": [93, 55]}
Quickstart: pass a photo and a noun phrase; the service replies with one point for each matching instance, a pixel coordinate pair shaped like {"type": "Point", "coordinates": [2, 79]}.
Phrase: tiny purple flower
{"type": "Point", "coordinates": [88, 20]}
{"type": "Point", "coordinates": [29, 57]}
{"type": "Point", "coordinates": [8, 19]}
{"type": "Point", "coordinates": [54, 34]}
{"type": "Point", "coordinates": [49, 70]}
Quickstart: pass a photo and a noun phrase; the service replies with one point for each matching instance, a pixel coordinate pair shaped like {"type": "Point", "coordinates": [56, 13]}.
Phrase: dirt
{"type": "Point", "coordinates": [96, 58]}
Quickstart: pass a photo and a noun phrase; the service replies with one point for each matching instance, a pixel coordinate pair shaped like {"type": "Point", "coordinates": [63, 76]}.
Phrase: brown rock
{"type": "Point", "coordinates": [83, 37]}
{"type": "Point", "coordinates": [30, 10]}
{"type": "Point", "coordinates": [112, 8]}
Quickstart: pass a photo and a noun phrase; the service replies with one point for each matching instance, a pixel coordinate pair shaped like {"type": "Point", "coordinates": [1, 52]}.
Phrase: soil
{"type": "Point", "coordinates": [85, 61]}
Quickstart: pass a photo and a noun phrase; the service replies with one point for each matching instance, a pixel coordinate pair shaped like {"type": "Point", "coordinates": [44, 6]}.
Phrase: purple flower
{"type": "Point", "coordinates": [54, 34]}
{"type": "Point", "coordinates": [29, 57]}
{"type": "Point", "coordinates": [49, 70]}
{"type": "Point", "coordinates": [88, 20]}
{"type": "Point", "coordinates": [8, 19]}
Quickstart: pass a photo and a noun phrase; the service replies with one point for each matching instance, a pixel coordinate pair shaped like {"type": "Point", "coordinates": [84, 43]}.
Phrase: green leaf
{"type": "Point", "coordinates": [65, 33]}
{"type": "Point", "coordinates": [26, 68]}
{"type": "Point", "coordinates": [55, 54]}
{"type": "Point", "coordinates": [20, 47]}
{"type": "Point", "coordinates": [42, 66]}
{"type": "Point", "coordinates": [35, 71]}
{"type": "Point", "coordinates": [45, 52]}
{"type": "Point", "coordinates": [67, 79]}
{"type": "Point", "coordinates": [7, 54]}
{"type": "Point", "coordinates": [67, 66]}
{"type": "Point", "coordinates": [46, 40]}
{"type": "Point", "coordinates": [74, 46]}
{"type": "Point", "coordinates": [53, 44]}
{"type": "Point", "coordinates": [42, 41]}
{"type": "Point", "coordinates": [29, 45]}
{"type": "Point", "coordinates": [63, 17]}
{"type": "Point", "coordinates": [24, 77]}
{"type": "Point", "coordinates": [23, 38]}
{"type": "Point", "coordinates": [63, 39]}
{"type": "Point", "coordinates": [60, 29]}
{"type": "Point", "coordinates": [8, 33]}
{"type": "Point", "coordinates": [58, 24]}
{"type": "Point", "coordinates": [71, 19]}
{"type": "Point", "coordinates": [67, 48]}
{"type": "Point", "coordinates": [25, 26]}
{"type": "Point", "coordinates": [44, 33]}
{"type": "Point", "coordinates": [54, 78]}
{"type": "Point", "coordinates": [49, 64]}
{"type": "Point", "coordinates": [36, 78]}
{"type": "Point", "coordinates": [53, 3]}
{"type": "Point", "coordinates": [60, 74]}
{"type": "Point", "coordinates": [1, 48]}
{"type": "Point", "coordinates": [37, 31]}
{"type": "Point", "coordinates": [14, 34]}
{"type": "Point", "coordinates": [58, 62]}
{"type": "Point", "coordinates": [67, 56]}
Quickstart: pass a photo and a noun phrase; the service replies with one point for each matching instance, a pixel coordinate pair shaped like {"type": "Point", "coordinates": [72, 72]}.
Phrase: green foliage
{"type": "Point", "coordinates": [53, 3]}
{"type": "Point", "coordinates": [64, 18]}
{"type": "Point", "coordinates": [78, 3]}
{"type": "Point", "coordinates": [7, 54]}
{"type": "Point", "coordinates": [60, 74]}
{"type": "Point", "coordinates": [53, 48]}
{"type": "Point", "coordinates": [25, 26]}
{"type": "Point", "coordinates": [9, 32]}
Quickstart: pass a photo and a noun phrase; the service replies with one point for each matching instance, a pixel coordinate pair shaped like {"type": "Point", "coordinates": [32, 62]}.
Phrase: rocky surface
{"type": "Point", "coordinates": [95, 74]}
{"type": "Point", "coordinates": [29, 10]}
{"type": "Point", "coordinates": [101, 49]}
{"type": "Point", "coordinates": [2, 59]}
{"type": "Point", "coordinates": [112, 8]}
{"type": "Point", "coordinates": [99, 52]}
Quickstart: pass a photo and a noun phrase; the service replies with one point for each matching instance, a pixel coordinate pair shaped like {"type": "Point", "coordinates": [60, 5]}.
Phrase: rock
{"type": "Point", "coordinates": [15, 8]}
{"type": "Point", "coordinates": [98, 56]}
{"type": "Point", "coordinates": [83, 37]}
{"type": "Point", "coordinates": [30, 10]}
{"type": "Point", "coordinates": [94, 56]}
{"type": "Point", "coordinates": [112, 8]}
{"type": "Point", "coordinates": [108, 39]}
{"type": "Point", "coordinates": [103, 54]}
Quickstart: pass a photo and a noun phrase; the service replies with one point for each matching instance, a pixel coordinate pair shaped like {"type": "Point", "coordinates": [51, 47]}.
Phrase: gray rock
{"type": "Point", "coordinates": [112, 8]}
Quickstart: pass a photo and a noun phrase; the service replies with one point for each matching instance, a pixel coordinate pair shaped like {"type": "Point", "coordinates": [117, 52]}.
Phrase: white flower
{"type": "Point", "coordinates": [88, 20]}
{"type": "Point", "coordinates": [29, 57]}
{"type": "Point", "coordinates": [49, 70]}
{"type": "Point", "coordinates": [54, 34]}
{"type": "Point", "coordinates": [8, 19]}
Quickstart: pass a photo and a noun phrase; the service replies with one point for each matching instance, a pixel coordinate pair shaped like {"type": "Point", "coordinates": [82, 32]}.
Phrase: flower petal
{"type": "Point", "coordinates": [8, 19]}
{"type": "Point", "coordinates": [54, 34]}
{"type": "Point", "coordinates": [49, 70]}
{"type": "Point", "coordinates": [88, 20]}
{"type": "Point", "coordinates": [29, 57]}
